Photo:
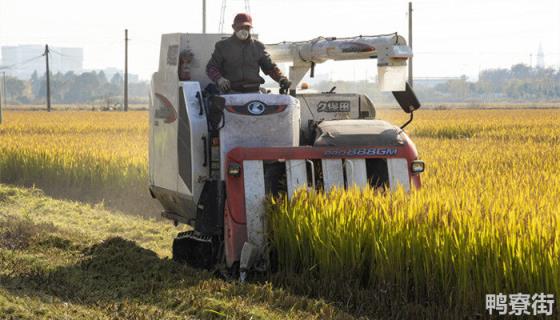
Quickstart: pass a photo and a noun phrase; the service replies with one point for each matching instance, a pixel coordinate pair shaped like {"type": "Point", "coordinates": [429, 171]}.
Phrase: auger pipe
{"type": "Point", "coordinates": [389, 50]}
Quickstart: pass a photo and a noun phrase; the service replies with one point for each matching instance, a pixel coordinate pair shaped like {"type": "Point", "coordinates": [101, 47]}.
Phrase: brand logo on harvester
{"type": "Point", "coordinates": [333, 106]}
{"type": "Point", "coordinates": [256, 107]}
{"type": "Point", "coordinates": [362, 152]}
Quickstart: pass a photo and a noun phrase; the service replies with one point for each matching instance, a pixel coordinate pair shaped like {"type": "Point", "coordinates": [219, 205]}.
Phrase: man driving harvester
{"type": "Point", "coordinates": [236, 61]}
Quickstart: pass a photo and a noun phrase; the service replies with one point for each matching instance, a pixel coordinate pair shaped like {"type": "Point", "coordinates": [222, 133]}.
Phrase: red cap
{"type": "Point", "coordinates": [243, 19]}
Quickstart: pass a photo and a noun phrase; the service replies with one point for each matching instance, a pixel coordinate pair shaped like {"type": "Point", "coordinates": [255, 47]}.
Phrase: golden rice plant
{"type": "Point", "coordinates": [78, 148]}
{"type": "Point", "coordinates": [82, 155]}
{"type": "Point", "coordinates": [486, 220]}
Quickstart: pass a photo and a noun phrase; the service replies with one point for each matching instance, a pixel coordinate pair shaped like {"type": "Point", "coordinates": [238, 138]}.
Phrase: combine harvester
{"type": "Point", "coordinates": [214, 158]}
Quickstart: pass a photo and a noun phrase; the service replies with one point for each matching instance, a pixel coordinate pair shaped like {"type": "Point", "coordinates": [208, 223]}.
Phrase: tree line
{"type": "Point", "coordinates": [520, 82]}
{"type": "Point", "coordinates": [71, 88]}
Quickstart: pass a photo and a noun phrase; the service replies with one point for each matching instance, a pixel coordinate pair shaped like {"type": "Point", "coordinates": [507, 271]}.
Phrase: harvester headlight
{"type": "Point", "coordinates": [234, 169]}
{"type": "Point", "coordinates": [417, 166]}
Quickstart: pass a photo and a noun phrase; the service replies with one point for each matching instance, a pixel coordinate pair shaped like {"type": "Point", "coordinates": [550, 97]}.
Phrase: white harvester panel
{"type": "Point", "coordinates": [163, 137]}
{"type": "Point", "coordinates": [328, 106]}
{"type": "Point", "coordinates": [332, 174]}
{"type": "Point", "coordinates": [245, 129]}
{"type": "Point", "coordinates": [176, 145]}
{"type": "Point", "coordinates": [398, 174]}
{"type": "Point", "coordinates": [253, 175]}
{"type": "Point", "coordinates": [198, 46]}
{"type": "Point", "coordinates": [356, 173]}
{"type": "Point", "coordinates": [176, 152]}
{"type": "Point", "coordinates": [193, 131]}
{"type": "Point", "coordinates": [296, 175]}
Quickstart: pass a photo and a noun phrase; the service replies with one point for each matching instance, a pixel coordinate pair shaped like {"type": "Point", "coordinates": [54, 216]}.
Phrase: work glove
{"type": "Point", "coordinates": [223, 84]}
{"type": "Point", "coordinates": [284, 84]}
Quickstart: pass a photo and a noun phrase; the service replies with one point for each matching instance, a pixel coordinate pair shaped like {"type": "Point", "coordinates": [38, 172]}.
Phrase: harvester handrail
{"type": "Point", "coordinates": [336, 38]}
{"type": "Point", "coordinates": [312, 172]}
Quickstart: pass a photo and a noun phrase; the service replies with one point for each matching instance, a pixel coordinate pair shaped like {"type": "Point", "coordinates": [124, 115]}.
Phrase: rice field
{"type": "Point", "coordinates": [89, 156]}
{"type": "Point", "coordinates": [485, 221]}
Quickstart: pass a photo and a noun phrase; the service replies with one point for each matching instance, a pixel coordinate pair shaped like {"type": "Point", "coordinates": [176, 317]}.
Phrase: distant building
{"type": "Point", "coordinates": [21, 61]}
{"type": "Point", "coordinates": [540, 57]}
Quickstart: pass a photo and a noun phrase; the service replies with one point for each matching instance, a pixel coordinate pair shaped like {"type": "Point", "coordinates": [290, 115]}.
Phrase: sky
{"type": "Point", "coordinates": [451, 38]}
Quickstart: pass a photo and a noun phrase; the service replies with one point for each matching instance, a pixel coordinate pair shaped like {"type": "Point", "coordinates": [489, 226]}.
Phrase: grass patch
{"type": "Point", "coordinates": [18, 234]}
{"type": "Point", "coordinates": [77, 261]}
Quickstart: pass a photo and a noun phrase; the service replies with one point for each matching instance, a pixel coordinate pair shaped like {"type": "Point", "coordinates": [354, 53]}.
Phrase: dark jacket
{"type": "Point", "coordinates": [239, 62]}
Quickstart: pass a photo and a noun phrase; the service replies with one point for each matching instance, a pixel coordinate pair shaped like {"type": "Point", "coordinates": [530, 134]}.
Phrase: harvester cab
{"type": "Point", "coordinates": [214, 158]}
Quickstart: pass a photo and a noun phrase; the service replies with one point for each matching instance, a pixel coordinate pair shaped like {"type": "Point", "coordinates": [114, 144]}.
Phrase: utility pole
{"type": "Point", "coordinates": [125, 69]}
{"type": "Point", "coordinates": [48, 79]}
{"type": "Point", "coordinates": [203, 16]}
{"type": "Point", "coordinates": [4, 89]}
{"type": "Point", "coordinates": [410, 76]}
{"type": "Point", "coordinates": [1, 97]}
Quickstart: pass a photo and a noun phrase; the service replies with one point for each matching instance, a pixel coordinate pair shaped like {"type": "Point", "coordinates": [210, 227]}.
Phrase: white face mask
{"type": "Point", "coordinates": [242, 34]}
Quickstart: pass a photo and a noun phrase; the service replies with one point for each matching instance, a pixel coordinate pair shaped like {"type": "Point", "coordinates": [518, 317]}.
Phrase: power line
{"type": "Point", "coordinates": [64, 55]}
{"type": "Point", "coordinates": [223, 13]}
{"type": "Point", "coordinates": [55, 51]}
{"type": "Point", "coordinates": [19, 64]}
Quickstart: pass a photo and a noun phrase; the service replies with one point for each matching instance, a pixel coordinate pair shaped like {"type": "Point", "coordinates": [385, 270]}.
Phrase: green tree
{"type": "Point", "coordinates": [14, 89]}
